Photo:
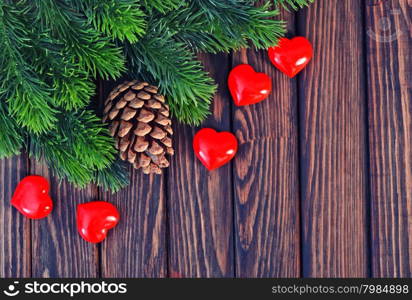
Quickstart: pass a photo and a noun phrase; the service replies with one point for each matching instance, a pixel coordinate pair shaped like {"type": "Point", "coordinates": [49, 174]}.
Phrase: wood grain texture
{"type": "Point", "coordinates": [58, 249]}
{"type": "Point", "coordinates": [266, 177]}
{"type": "Point", "coordinates": [333, 142]}
{"type": "Point", "coordinates": [389, 46]}
{"type": "Point", "coordinates": [136, 247]}
{"type": "Point", "coordinates": [200, 202]}
{"type": "Point", "coordinates": [14, 228]}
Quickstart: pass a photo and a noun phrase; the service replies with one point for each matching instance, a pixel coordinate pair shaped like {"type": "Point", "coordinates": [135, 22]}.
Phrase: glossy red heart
{"type": "Point", "coordinates": [291, 56]}
{"type": "Point", "coordinates": [95, 218]}
{"type": "Point", "coordinates": [247, 86]}
{"type": "Point", "coordinates": [31, 197]}
{"type": "Point", "coordinates": [214, 149]}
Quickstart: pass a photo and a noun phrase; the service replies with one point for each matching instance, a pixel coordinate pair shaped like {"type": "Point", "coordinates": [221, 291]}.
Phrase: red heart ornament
{"type": "Point", "coordinates": [31, 197]}
{"type": "Point", "coordinates": [291, 56]}
{"type": "Point", "coordinates": [214, 149]}
{"type": "Point", "coordinates": [247, 86]}
{"type": "Point", "coordinates": [95, 218]}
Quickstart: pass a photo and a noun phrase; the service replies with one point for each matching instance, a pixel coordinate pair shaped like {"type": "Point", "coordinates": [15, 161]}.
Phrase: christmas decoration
{"type": "Point", "coordinates": [140, 122]}
{"type": "Point", "coordinates": [53, 52]}
{"type": "Point", "coordinates": [95, 218]}
{"type": "Point", "coordinates": [31, 197]}
{"type": "Point", "coordinates": [247, 86]}
{"type": "Point", "coordinates": [291, 56]}
{"type": "Point", "coordinates": [214, 149]}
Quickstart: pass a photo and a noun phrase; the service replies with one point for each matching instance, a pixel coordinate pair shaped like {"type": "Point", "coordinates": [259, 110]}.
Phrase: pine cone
{"type": "Point", "coordinates": [139, 120]}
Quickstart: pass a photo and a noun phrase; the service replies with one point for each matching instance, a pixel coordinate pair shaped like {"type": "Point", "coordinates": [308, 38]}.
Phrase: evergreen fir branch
{"type": "Point", "coordinates": [88, 137]}
{"type": "Point", "coordinates": [157, 57]}
{"type": "Point", "coordinates": [11, 138]}
{"type": "Point", "coordinates": [29, 98]}
{"type": "Point", "coordinates": [163, 6]}
{"type": "Point", "coordinates": [30, 102]}
{"type": "Point", "coordinates": [79, 146]}
{"type": "Point", "coordinates": [60, 160]}
{"type": "Point", "coordinates": [71, 86]}
{"type": "Point", "coordinates": [119, 19]}
{"type": "Point", "coordinates": [222, 26]}
{"type": "Point", "coordinates": [263, 31]}
{"type": "Point", "coordinates": [114, 177]}
{"type": "Point", "coordinates": [195, 31]}
{"type": "Point", "coordinates": [295, 4]}
{"type": "Point", "coordinates": [71, 92]}
{"type": "Point", "coordinates": [204, 25]}
{"type": "Point", "coordinates": [230, 24]}
{"type": "Point", "coordinates": [94, 52]}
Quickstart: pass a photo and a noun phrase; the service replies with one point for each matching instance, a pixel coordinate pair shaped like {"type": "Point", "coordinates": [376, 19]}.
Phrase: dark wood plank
{"type": "Point", "coordinates": [266, 179]}
{"type": "Point", "coordinates": [136, 247]}
{"type": "Point", "coordinates": [200, 202]}
{"type": "Point", "coordinates": [14, 227]}
{"type": "Point", "coordinates": [389, 46]}
{"type": "Point", "coordinates": [58, 249]}
{"type": "Point", "coordinates": [333, 142]}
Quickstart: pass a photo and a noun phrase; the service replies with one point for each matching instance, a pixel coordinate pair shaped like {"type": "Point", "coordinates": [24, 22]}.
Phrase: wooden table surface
{"type": "Point", "coordinates": [321, 186]}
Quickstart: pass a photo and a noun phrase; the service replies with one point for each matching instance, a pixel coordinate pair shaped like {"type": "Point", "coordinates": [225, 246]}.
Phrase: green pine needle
{"type": "Point", "coordinates": [162, 6]}
{"type": "Point", "coordinates": [72, 92]}
{"type": "Point", "coordinates": [164, 55]}
{"type": "Point", "coordinates": [180, 76]}
{"type": "Point", "coordinates": [71, 86]}
{"type": "Point", "coordinates": [92, 51]}
{"type": "Point", "coordinates": [29, 98]}
{"type": "Point", "coordinates": [119, 19]}
{"type": "Point", "coordinates": [31, 104]}
{"type": "Point", "coordinates": [11, 139]}
{"type": "Point", "coordinates": [114, 177]}
{"type": "Point", "coordinates": [295, 4]}
{"type": "Point", "coordinates": [79, 146]}
{"type": "Point", "coordinates": [230, 25]}
{"type": "Point", "coordinates": [60, 160]}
